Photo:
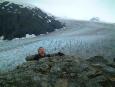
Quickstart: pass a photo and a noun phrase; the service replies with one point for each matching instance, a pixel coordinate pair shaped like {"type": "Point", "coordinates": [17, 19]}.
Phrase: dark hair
{"type": "Point", "coordinates": [40, 47]}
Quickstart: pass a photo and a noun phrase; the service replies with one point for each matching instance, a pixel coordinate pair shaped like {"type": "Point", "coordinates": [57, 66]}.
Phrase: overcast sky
{"type": "Point", "coordinates": [77, 9]}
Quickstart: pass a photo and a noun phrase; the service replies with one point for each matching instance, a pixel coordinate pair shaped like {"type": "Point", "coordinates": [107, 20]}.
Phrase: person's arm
{"type": "Point", "coordinates": [55, 54]}
{"type": "Point", "coordinates": [30, 58]}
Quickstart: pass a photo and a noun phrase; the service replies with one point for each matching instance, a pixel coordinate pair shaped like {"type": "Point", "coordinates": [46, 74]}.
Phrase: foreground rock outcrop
{"type": "Point", "coordinates": [66, 71]}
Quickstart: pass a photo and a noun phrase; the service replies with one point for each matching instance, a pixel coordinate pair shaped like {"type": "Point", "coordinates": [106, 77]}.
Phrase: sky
{"type": "Point", "coordinates": [77, 9]}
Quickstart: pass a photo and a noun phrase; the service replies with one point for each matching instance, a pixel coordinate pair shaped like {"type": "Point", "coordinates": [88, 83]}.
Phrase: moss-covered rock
{"type": "Point", "coordinates": [65, 71]}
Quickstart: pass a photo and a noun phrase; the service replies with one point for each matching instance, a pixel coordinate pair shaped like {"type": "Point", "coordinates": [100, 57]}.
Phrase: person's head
{"type": "Point", "coordinates": [41, 51]}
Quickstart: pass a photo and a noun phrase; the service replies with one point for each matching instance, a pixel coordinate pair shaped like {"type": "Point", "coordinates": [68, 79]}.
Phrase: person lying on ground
{"type": "Point", "coordinates": [42, 54]}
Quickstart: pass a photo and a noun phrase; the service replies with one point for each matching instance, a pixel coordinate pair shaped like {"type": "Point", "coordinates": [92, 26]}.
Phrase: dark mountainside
{"type": "Point", "coordinates": [17, 20]}
{"type": "Point", "coordinates": [65, 71]}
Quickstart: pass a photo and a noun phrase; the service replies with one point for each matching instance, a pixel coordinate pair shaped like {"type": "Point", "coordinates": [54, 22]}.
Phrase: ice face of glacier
{"type": "Point", "coordinates": [78, 38]}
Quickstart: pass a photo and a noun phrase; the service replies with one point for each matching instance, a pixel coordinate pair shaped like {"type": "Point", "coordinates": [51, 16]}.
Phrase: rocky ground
{"type": "Point", "coordinates": [66, 71]}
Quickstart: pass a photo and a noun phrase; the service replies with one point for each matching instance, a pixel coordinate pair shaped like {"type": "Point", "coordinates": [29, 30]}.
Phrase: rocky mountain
{"type": "Point", "coordinates": [64, 71]}
{"type": "Point", "coordinates": [17, 20]}
{"type": "Point", "coordinates": [95, 19]}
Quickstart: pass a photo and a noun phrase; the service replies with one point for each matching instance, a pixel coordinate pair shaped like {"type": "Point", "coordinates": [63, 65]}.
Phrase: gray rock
{"type": "Point", "coordinates": [97, 59]}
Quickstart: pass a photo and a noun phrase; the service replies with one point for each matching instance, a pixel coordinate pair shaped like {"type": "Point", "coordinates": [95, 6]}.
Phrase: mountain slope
{"type": "Point", "coordinates": [17, 20]}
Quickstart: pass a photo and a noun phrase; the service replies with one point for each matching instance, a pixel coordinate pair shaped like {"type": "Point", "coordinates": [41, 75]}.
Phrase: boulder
{"type": "Point", "coordinates": [97, 59]}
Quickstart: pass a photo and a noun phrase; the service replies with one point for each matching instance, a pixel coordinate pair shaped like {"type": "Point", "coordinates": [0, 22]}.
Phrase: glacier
{"type": "Point", "coordinates": [78, 38]}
